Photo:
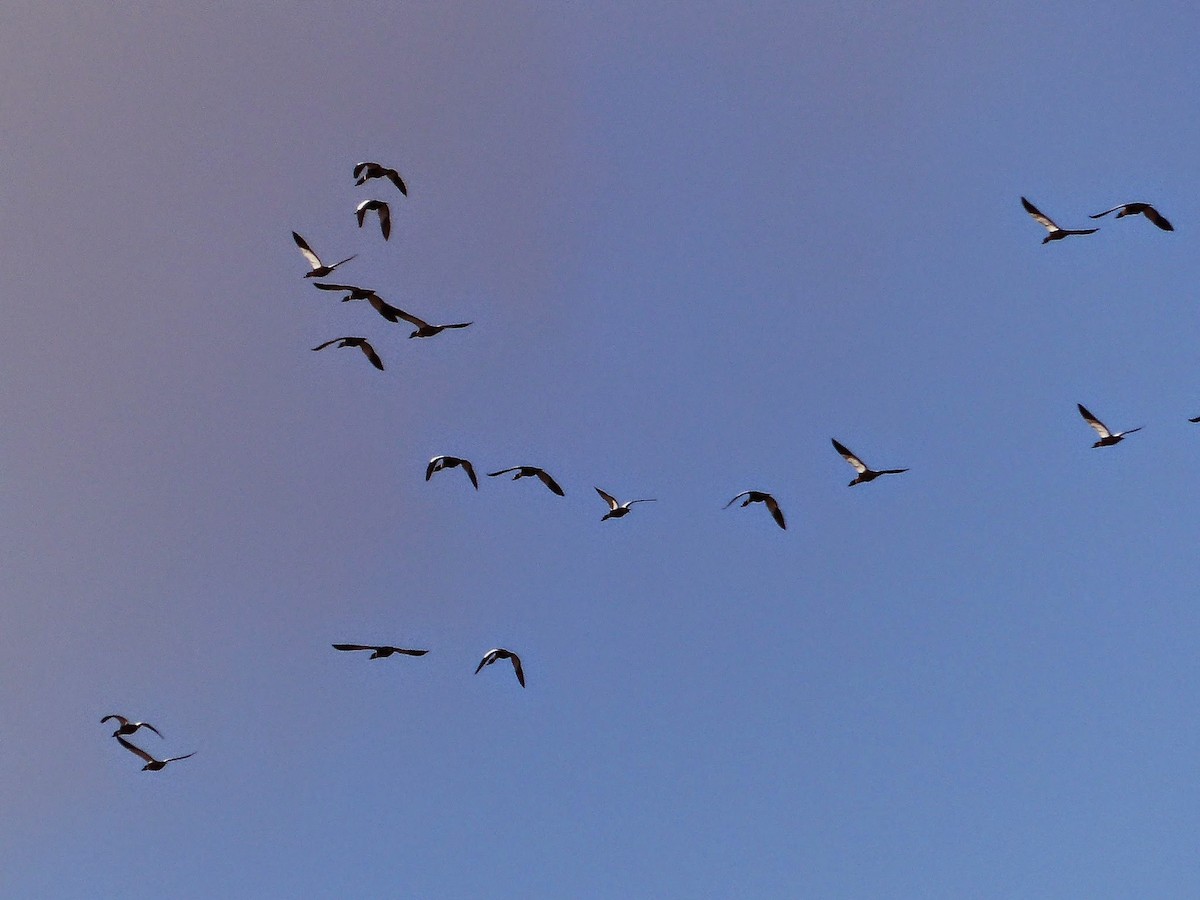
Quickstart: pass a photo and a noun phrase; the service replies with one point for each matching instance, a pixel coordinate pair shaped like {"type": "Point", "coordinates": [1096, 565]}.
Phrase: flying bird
{"type": "Point", "coordinates": [1197, 419]}
{"type": "Point", "coordinates": [367, 170]}
{"type": "Point", "coordinates": [615, 509]}
{"type": "Point", "coordinates": [319, 269]}
{"type": "Point", "coordinates": [152, 764]}
{"type": "Point", "coordinates": [1056, 233]}
{"type": "Point", "coordinates": [424, 329]}
{"type": "Point", "coordinates": [534, 472]}
{"type": "Point", "coordinates": [500, 653]}
{"type": "Point", "coordinates": [352, 291]}
{"type": "Point", "coordinates": [385, 215]}
{"type": "Point", "coordinates": [1107, 438]}
{"type": "Point", "coordinates": [359, 342]}
{"type": "Point", "coordinates": [128, 727]}
{"type": "Point", "coordinates": [1132, 209]}
{"type": "Point", "coordinates": [865, 473]}
{"type": "Point", "coordinates": [760, 497]}
{"type": "Point", "coordinates": [379, 652]}
{"type": "Point", "coordinates": [449, 462]}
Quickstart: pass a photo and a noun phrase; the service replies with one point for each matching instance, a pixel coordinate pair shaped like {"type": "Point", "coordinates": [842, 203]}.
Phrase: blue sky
{"type": "Point", "coordinates": [695, 244]}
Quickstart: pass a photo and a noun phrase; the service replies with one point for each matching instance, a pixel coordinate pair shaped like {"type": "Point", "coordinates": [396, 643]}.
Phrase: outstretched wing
{"type": "Point", "coordinates": [608, 498]}
{"type": "Point", "coordinates": [735, 499]}
{"type": "Point", "coordinates": [470, 469]}
{"type": "Point", "coordinates": [393, 313]}
{"type": "Point", "coordinates": [328, 343]}
{"type": "Point", "coordinates": [348, 288]}
{"type": "Point", "coordinates": [1157, 218]}
{"type": "Point", "coordinates": [1100, 427]}
{"type": "Point", "coordinates": [407, 652]}
{"type": "Point", "coordinates": [314, 261]}
{"type": "Point", "coordinates": [549, 482]}
{"type": "Point", "coordinates": [516, 661]}
{"type": "Point", "coordinates": [776, 512]}
{"type": "Point", "coordinates": [370, 354]}
{"type": "Point", "coordinates": [353, 647]}
{"type": "Point", "coordinates": [171, 759]}
{"type": "Point", "coordinates": [124, 721]}
{"type": "Point", "coordinates": [394, 178]}
{"type": "Point", "coordinates": [134, 749]}
{"type": "Point", "coordinates": [503, 472]}
{"type": "Point", "coordinates": [1040, 216]}
{"type": "Point", "coordinates": [434, 465]}
{"type": "Point", "coordinates": [1107, 211]}
{"type": "Point", "coordinates": [488, 657]}
{"type": "Point", "coordinates": [859, 465]}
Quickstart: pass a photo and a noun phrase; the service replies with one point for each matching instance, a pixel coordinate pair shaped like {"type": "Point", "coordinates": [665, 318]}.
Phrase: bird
{"type": "Point", "coordinates": [385, 215]}
{"type": "Point", "coordinates": [352, 291]}
{"type": "Point", "coordinates": [1056, 233]}
{"type": "Point", "coordinates": [760, 497]}
{"type": "Point", "coordinates": [1197, 419]}
{"type": "Point", "coordinates": [359, 342]}
{"type": "Point", "coordinates": [379, 652]}
{"type": "Point", "coordinates": [617, 510]}
{"type": "Point", "coordinates": [500, 653]}
{"type": "Point", "coordinates": [128, 727]}
{"type": "Point", "coordinates": [319, 269]}
{"type": "Point", "coordinates": [152, 764]}
{"type": "Point", "coordinates": [1132, 209]}
{"type": "Point", "coordinates": [865, 473]}
{"type": "Point", "coordinates": [449, 462]}
{"type": "Point", "coordinates": [1107, 438]}
{"type": "Point", "coordinates": [534, 472]}
{"type": "Point", "coordinates": [367, 170]}
{"type": "Point", "coordinates": [424, 329]}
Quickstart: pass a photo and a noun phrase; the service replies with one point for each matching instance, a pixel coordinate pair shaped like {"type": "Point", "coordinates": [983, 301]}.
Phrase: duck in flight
{"type": "Point", "coordinates": [616, 509]}
{"type": "Point", "coordinates": [367, 170]}
{"type": "Point", "coordinates": [361, 343]}
{"type": "Point", "coordinates": [1132, 209]}
{"type": "Point", "coordinates": [764, 498]}
{"type": "Point", "coordinates": [424, 329]}
{"type": "Point", "coordinates": [500, 653]}
{"type": "Point", "coordinates": [378, 652]}
{"type": "Point", "coordinates": [449, 462]}
{"type": "Point", "coordinates": [352, 291]}
{"type": "Point", "coordinates": [1107, 438]}
{"type": "Point", "coordinates": [1056, 233]}
{"type": "Point", "coordinates": [152, 764]}
{"type": "Point", "coordinates": [319, 269]}
{"type": "Point", "coordinates": [531, 472]}
{"type": "Point", "coordinates": [865, 473]}
{"type": "Point", "coordinates": [385, 215]}
{"type": "Point", "coordinates": [128, 727]}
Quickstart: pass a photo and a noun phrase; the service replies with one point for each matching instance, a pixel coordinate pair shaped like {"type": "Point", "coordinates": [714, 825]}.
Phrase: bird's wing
{"type": "Point", "coordinates": [891, 471]}
{"type": "Point", "coordinates": [434, 465]}
{"type": "Point", "coordinates": [358, 170]}
{"type": "Point", "coordinates": [516, 661]}
{"type": "Point", "coordinates": [1132, 430]}
{"type": "Point", "coordinates": [631, 502]}
{"type": "Point", "coordinates": [385, 220]}
{"type": "Point", "coordinates": [859, 465]}
{"type": "Point", "coordinates": [314, 261]}
{"type": "Point", "coordinates": [408, 652]}
{"type": "Point", "coordinates": [1093, 421]}
{"type": "Point", "coordinates": [776, 512]}
{"type": "Point", "coordinates": [503, 472]}
{"type": "Point", "coordinates": [470, 469]}
{"type": "Point", "coordinates": [608, 498]}
{"type": "Point", "coordinates": [327, 343]}
{"type": "Point", "coordinates": [458, 325]}
{"type": "Point", "coordinates": [152, 728]}
{"type": "Point", "coordinates": [544, 478]}
{"type": "Point", "coordinates": [353, 647]}
{"type": "Point", "coordinates": [370, 354]}
{"type": "Point", "coordinates": [326, 286]}
{"type": "Point", "coordinates": [172, 759]}
{"type": "Point", "coordinates": [1041, 217]}
{"type": "Point", "coordinates": [360, 212]}
{"type": "Point", "coordinates": [735, 499]}
{"type": "Point", "coordinates": [488, 657]}
{"type": "Point", "coordinates": [121, 719]}
{"type": "Point", "coordinates": [134, 749]}
{"type": "Point", "coordinates": [1157, 218]}
{"type": "Point", "coordinates": [1107, 211]}
{"type": "Point", "coordinates": [395, 179]}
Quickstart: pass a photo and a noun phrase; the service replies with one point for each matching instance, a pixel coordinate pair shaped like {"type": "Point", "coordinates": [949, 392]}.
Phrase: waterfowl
{"type": "Point", "coordinates": [361, 343]}
{"type": "Point", "coordinates": [760, 497]}
{"type": "Point", "coordinates": [152, 764]}
{"type": "Point", "coordinates": [424, 329]}
{"type": "Point", "coordinates": [319, 269]}
{"type": "Point", "coordinates": [449, 462]}
{"type": "Point", "coordinates": [379, 652]}
{"type": "Point", "coordinates": [128, 727]}
{"type": "Point", "coordinates": [615, 509]}
{"type": "Point", "coordinates": [531, 472]}
{"type": "Point", "coordinates": [1133, 209]}
{"type": "Point", "coordinates": [1056, 233]}
{"type": "Point", "coordinates": [500, 653]}
{"type": "Point", "coordinates": [367, 170]}
{"type": "Point", "coordinates": [352, 291]}
{"type": "Point", "coordinates": [385, 215]}
{"type": "Point", "coordinates": [1107, 438]}
{"type": "Point", "coordinates": [865, 473]}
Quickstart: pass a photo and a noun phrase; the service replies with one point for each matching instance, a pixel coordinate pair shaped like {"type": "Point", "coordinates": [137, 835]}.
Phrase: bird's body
{"type": "Point", "coordinates": [616, 509]}
{"type": "Point", "coordinates": [1056, 233]}
{"type": "Point", "coordinates": [449, 462]}
{"type": "Point", "coordinates": [319, 269]}
{"type": "Point", "coordinates": [531, 472]}
{"type": "Point", "coordinates": [500, 653]}
{"type": "Point", "coordinates": [128, 727]}
{"type": "Point", "coordinates": [152, 764]}
{"type": "Point", "coordinates": [865, 473]}
{"type": "Point", "coordinates": [368, 170]}
{"type": "Point", "coordinates": [1107, 438]}
{"type": "Point", "coordinates": [764, 498]}
{"type": "Point", "coordinates": [380, 652]}
{"type": "Point", "coordinates": [1133, 209]}
{"type": "Point", "coordinates": [424, 329]}
{"type": "Point", "coordinates": [361, 343]}
{"type": "Point", "coordinates": [385, 215]}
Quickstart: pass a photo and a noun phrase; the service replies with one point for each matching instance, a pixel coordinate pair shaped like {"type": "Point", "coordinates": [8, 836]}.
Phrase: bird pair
{"type": "Point", "coordinates": [384, 651]}
{"type": "Point", "coordinates": [438, 463]}
{"type": "Point", "coordinates": [127, 726]}
{"type": "Point", "coordinates": [1125, 209]}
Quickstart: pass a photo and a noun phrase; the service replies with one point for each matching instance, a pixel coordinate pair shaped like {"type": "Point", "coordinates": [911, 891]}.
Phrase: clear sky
{"type": "Point", "coordinates": [696, 243]}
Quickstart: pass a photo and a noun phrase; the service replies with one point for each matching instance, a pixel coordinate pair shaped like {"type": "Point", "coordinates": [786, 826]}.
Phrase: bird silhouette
{"type": "Point", "coordinates": [319, 269]}
{"type": "Point", "coordinates": [531, 472]}
{"type": "Point", "coordinates": [379, 652]}
{"type": "Point", "coordinates": [449, 462]}
{"type": "Point", "coordinates": [616, 509]}
{"type": "Point", "coordinates": [1133, 209]}
{"type": "Point", "coordinates": [385, 215]}
{"type": "Point", "coordinates": [361, 343]}
{"type": "Point", "coordinates": [865, 473]}
{"type": "Point", "coordinates": [1056, 233]}
{"type": "Point", "coordinates": [152, 764]}
{"type": "Point", "coordinates": [128, 727]}
{"type": "Point", "coordinates": [352, 291]}
{"type": "Point", "coordinates": [500, 653]}
{"type": "Point", "coordinates": [365, 171]}
{"type": "Point", "coordinates": [1107, 438]}
{"type": "Point", "coordinates": [764, 498]}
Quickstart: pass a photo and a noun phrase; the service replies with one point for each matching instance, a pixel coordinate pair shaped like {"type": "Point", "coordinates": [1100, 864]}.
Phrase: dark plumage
{"type": "Point", "coordinates": [449, 462]}
{"type": "Point", "coordinates": [379, 652]}
{"type": "Point", "coordinates": [361, 343]}
{"type": "Point", "coordinates": [152, 764]}
{"type": "Point", "coordinates": [764, 498]}
{"type": "Point", "coordinates": [865, 473]}
{"type": "Point", "coordinates": [616, 509]}
{"type": "Point", "coordinates": [1056, 233]}
{"type": "Point", "coordinates": [319, 269]}
{"type": "Point", "coordinates": [352, 291]}
{"type": "Point", "coordinates": [1133, 209]}
{"type": "Point", "coordinates": [128, 727]}
{"type": "Point", "coordinates": [500, 653]}
{"type": "Point", "coordinates": [1107, 438]}
{"type": "Point", "coordinates": [367, 170]}
{"type": "Point", "coordinates": [385, 215]}
{"type": "Point", "coordinates": [531, 472]}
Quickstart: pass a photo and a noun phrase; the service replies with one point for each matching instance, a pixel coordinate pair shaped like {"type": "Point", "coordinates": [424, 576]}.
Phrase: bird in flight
{"type": "Point", "coordinates": [1107, 438]}
{"type": "Point", "coordinates": [500, 653]}
{"type": "Point", "coordinates": [385, 215]}
{"type": "Point", "coordinates": [449, 462]}
{"type": "Point", "coordinates": [760, 497]}
{"type": "Point", "coordinates": [615, 509]}
{"type": "Point", "coordinates": [379, 652]}
{"type": "Point", "coordinates": [367, 170]}
{"type": "Point", "coordinates": [531, 472]}
{"type": "Point", "coordinates": [1132, 209]}
{"type": "Point", "coordinates": [319, 269]}
{"type": "Point", "coordinates": [152, 764]}
{"type": "Point", "coordinates": [865, 473]}
{"type": "Point", "coordinates": [360, 343]}
{"type": "Point", "coordinates": [352, 291]}
{"type": "Point", "coordinates": [424, 329]}
{"type": "Point", "coordinates": [1056, 233]}
{"type": "Point", "coordinates": [1197, 419]}
{"type": "Point", "coordinates": [128, 727]}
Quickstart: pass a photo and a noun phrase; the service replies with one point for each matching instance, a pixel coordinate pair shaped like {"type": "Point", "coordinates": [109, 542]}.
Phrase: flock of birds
{"type": "Point", "coordinates": [366, 171]}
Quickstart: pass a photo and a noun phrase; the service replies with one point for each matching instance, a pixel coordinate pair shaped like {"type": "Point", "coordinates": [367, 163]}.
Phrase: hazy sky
{"type": "Point", "coordinates": [695, 243]}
